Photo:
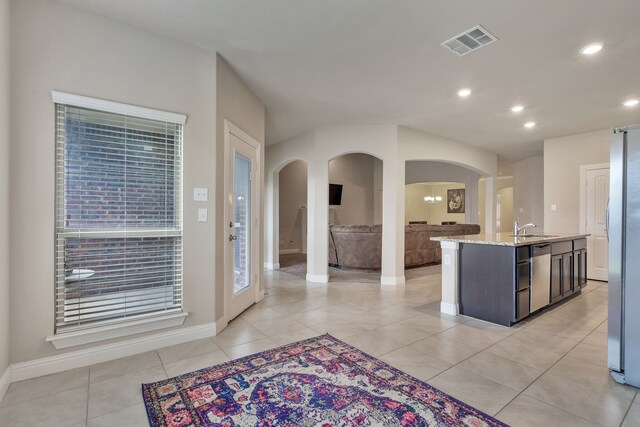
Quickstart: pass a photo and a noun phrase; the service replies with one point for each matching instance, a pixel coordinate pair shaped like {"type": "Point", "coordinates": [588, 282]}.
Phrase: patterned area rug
{"type": "Point", "coordinates": [317, 382]}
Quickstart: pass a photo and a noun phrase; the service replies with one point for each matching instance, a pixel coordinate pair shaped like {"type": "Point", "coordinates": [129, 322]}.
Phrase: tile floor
{"type": "Point", "coordinates": [549, 371]}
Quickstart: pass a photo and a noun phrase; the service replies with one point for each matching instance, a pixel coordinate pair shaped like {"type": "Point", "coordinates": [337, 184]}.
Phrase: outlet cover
{"type": "Point", "coordinates": [200, 194]}
{"type": "Point", "coordinates": [202, 215]}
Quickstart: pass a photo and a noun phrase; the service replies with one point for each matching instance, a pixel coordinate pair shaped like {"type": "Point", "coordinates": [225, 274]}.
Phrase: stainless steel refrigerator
{"type": "Point", "coordinates": [623, 227]}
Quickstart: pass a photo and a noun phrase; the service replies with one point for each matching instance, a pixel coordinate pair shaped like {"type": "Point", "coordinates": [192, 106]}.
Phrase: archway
{"type": "Point", "coordinates": [355, 218]}
{"type": "Point", "coordinates": [292, 217]}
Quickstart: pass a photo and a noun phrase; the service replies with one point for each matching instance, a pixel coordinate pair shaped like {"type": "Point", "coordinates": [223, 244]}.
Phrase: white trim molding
{"type": "Point", "coordinates": [119, 330]}
{"type": "Point", "coordinates": [317, 278]}
{"type": "Point", "coordinates": [104, 353]}
{"type": "Point", "coordinates": [5, 382]}
{"type": "Point", "coordinates": [448, 244]}
{"type": "Point", "coordinates": [221, 324]}
{"type": "Point", "coordinates": [392, 281]}
{"type": "Point", "coordinates": [449, 308]}
{"type": "Point", "coordinates": [272, 265]}
{"type": "Point", "coordinates": [116, 107]}
{"type": "Point", "coordinates": [289, 251]}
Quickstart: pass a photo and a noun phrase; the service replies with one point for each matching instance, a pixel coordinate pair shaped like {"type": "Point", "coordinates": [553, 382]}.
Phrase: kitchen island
{"type": "Point", "coordinates": [504, 279]}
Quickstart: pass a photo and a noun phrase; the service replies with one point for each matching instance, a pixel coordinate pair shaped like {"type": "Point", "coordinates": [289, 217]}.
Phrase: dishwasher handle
{"type": "Point", "coordinates": [542, 249]}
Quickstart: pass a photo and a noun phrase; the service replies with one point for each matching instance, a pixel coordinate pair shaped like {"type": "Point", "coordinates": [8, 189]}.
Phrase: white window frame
{"type": "Point", "coordinates": [134, 325]}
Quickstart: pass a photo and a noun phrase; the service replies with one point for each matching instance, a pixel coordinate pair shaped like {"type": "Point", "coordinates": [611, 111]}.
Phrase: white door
{"type": "Point", "coordinates": [241, 222]}
{"type": "Point", "coordinates": [597, 196]}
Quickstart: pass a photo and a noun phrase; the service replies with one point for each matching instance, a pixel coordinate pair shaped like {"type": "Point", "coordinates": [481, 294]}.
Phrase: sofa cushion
{"type": "Point", "coordinates": [360, 246]}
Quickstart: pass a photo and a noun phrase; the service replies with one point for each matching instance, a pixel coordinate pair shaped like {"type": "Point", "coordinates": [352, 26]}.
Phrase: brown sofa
{"type": "Point", "coordinates": [419, 249]}
{"type": "Point", "coordinates": [360, 246]}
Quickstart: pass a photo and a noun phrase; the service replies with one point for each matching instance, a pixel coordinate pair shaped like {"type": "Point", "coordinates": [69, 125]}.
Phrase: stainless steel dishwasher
{"type": "Point", "coordinates": [540, 276]}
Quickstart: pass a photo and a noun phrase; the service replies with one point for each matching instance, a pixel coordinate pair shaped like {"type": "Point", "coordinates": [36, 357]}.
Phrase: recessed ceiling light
{"type": "Point", "coordinates": [517, 108]}
{"type": "Point", "coordinates": [463, 93]}
{"type": "Point", "coordinates": [592, 48]}
{"type": "Point", "coordinates": [631, 103]}
{"type": "Point", "coordinates": [529, 124]}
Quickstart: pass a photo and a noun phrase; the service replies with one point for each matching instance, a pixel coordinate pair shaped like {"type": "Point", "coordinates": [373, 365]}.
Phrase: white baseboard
{"type": "Point", "coordinates": [391, 281]}
{"type": "Point", "coordinates": [5, 382]}
{"type": "Point", "coordinates": [120, 330]}
{"type": "Point", "coordinates": [104, 353]}
{"type": "Point", "coordinates": [272, 265]}
{"type": "Point", "coordinates": [449, 308]}
{"type": "Point", "coordinates": [289, 251]}
{"type": "Point", "coordinates": [221, 324]}
{"type": "Point", "coordinates": [317, 278]}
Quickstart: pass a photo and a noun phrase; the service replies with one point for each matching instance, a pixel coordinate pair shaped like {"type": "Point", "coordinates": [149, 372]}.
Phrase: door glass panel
{"type": "Point", "coordinates": [242, 217]}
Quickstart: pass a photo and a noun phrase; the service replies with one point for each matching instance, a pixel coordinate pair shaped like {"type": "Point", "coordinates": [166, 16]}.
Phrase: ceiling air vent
{"type": "Point", "coordinates": [469, 41]}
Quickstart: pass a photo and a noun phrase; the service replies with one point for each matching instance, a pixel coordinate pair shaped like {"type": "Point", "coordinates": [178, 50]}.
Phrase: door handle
{"type": "Point", "coordinates": [606, 229]}
{"type": "Point", "coordinates": [232, 237]}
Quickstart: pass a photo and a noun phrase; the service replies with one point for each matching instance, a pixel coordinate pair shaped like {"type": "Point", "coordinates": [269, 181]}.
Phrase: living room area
{"type": "Point", "coordinates": [432, 208]}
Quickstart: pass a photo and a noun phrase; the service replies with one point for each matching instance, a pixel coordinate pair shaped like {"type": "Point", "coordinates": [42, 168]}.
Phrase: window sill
{"type": "Point", "coordinates": [72, 339]}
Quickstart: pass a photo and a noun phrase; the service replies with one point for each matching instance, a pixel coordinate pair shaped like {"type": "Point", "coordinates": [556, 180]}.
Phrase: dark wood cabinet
{"type": "Point", "coordinates": [567, 274]}
{"type": "Point", "coordinates": [523, 280]}
{"type": "Point", "coordinates": [579, 264]}
{"type": "Point", "coordinates": [561, 270]}
{"type": "Point", "coordinates": [556, 278]}
{"type": "Point", "coordinates": [522, 304]}
{"type": "Point", "coordinates": [523, 283]}
{"type": "Point", "coordinates": [495, 280]}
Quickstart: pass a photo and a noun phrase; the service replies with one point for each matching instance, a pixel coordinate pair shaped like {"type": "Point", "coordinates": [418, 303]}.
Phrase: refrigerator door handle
{"type": "Point", "coordinates": [606, 227]}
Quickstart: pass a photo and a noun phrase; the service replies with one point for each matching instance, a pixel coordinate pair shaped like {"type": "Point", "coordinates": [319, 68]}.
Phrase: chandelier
{"type": "Point", "coordinates": [432, 199]}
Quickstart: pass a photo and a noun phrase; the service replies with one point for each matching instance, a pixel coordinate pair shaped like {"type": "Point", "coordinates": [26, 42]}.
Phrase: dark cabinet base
{"type": "Point", "coordinates": [495, 280]}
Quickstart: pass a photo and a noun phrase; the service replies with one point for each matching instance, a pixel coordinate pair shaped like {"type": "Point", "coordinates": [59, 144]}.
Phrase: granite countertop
{"type": "Point", "coordinates": [507, 238]}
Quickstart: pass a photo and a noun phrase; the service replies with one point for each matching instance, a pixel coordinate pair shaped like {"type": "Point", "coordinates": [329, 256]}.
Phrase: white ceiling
{"type": "Point", "coordinates": [340, 62]}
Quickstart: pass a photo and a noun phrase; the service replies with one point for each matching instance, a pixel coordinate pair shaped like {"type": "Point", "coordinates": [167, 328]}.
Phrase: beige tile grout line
{"type": "Point", "coordinates": [547, 370]}
{"type": "Point", "coordinates": [86, 416]}
{"type": "Point", "coordinates": [520, 392]}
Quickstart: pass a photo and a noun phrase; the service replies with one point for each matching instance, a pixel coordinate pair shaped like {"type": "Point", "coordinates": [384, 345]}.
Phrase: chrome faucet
{"type": "Point", "coordinates": [517, 230]}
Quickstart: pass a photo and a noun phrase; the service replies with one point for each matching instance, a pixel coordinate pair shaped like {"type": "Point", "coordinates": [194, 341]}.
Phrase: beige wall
{"type": "Point", "coordinates": [434, 172]}
{"type": "Point", "coordinates": [293, 195]}
{"type": "Point", "coordinates": [4, 187]}
{"type": "Point", "coordinates": [236, 103]}
{"type": "Point", "coordinates": [562, 160]}
{"type": "Point", "coordinates": [63, 48]}
{"type": "Point", "coordinates": [528, 191]}
{"type": "Point", "coordinates": [439, 210]}
{"type": "Point", "coordinates": [416, 209]}
{"type": "Point", "coordinates": [356, 173]}
{"type": "Point", "coordinates": [502, 182]}
{"type": "Point", "coordinates": [506, 203]}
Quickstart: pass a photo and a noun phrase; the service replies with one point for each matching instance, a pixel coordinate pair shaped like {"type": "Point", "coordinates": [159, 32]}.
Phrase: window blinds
{"type": "Point", "coordinates": [118, 217]}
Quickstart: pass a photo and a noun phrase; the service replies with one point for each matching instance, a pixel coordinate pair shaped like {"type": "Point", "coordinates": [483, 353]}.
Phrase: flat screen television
{"type": "Point", "coordinates": [335, 194]}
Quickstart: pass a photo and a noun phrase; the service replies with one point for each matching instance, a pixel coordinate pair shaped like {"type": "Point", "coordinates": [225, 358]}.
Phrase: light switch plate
{"type": "Point", "coordinates": [521, 210]}
{"type": "Point", "coordinates": [200, 194]}
{"type": "Point", "coordinates": [202, 215]}
{"type": "Point", "coordinates": [447, 260]}
{"type": "Point", "coordinates": [554, 207]}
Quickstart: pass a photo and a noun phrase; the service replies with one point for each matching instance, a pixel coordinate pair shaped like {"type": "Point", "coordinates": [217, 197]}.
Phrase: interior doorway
{"type": "Point", "coordinates": [504, 209]}
{"type": "Point", "coordinates": [594, 197]}
{"type": "Point", "coordinates": [355, 218]}
{"type": "Point", "coordinates": [292, 217]}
